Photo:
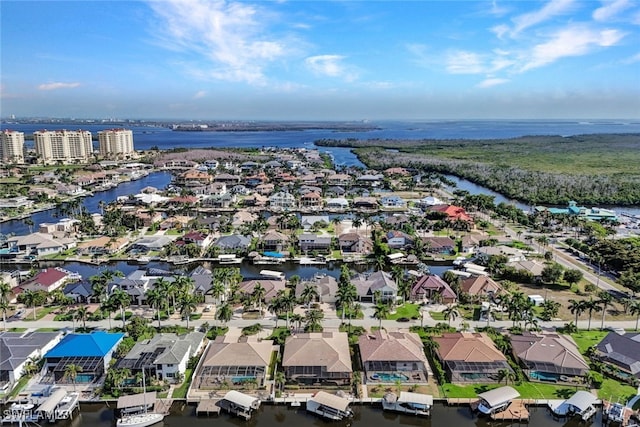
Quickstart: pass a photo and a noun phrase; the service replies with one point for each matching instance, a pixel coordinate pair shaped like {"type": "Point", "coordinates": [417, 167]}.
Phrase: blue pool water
{"type": "Point", "coordinates": [542, 376]}
{"type": "Point", "coordinates": [273, 254]}
{"type": "Point", "coordinates": [241, 379]}
{"type": "Point", "coordinates": [386, 377]}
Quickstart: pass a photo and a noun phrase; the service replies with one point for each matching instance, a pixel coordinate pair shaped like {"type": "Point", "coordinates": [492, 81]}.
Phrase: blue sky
{"type": "Point", "coordinates": [321, 60]}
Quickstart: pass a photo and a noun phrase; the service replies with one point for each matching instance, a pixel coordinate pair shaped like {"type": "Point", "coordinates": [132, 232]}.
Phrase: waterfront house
{"type": "Point", "coordinates": [311, 200]}
{"type": "Point", "coordinates": [282, 200]}
{"type": "Point", "coordinates": [365, 203]}
{"type": "Point", "coordinates": [318, 358]}
{"type": "Point", "coordinates": [393, 201]}
{"type": "Point", "coordinates": [274, 241]}
{"type": "Point", "coordinates": [433, 288]}
{"type": "Point", "coordinates": [441, 245]}
{"type": "Point", "coordinates": [149, 243]}
{"type": "Point", "coordinates": [367, 284]}
{"type": "Point", "coordinates": [255, 200]}
{"type": "Point", "coordinates": [470, 357]}
{"type": "Point", "coordinates": [49, 280]}
{"type": "Point", "coordinates": [390, 356]}
{"type": "Point", "coordinates": [39, 244]}
{"type": "Point", "coordinates": [512, 254]}
{"type": "Point", "coordinates": [340, 179]}
{"type": "Point", "coordinates": [65, 225]}
{"type": "Point", "coordinates": [102, 246]}
{"type": "Point", "coordinates": [480, 286]}
{"type": "Point", "coordinates": [398, 239]}
{"type": "Point", "coordinates": [197, 238]}
{"type": "Point", "coordinates": [16, 202]}
{"type": "Point", "coordinates": [228, 179]}
{"type": "Point", "coordinates": [271, 287]}
{"type": "Point", "coordinates": [233, 243]}
{"type": "Point", "coordinates": [79, 292]}
{"type": "Point", "coordinates": [621, 353]}
{"type": "Point", "coordinates": [338, 203]}
{"type": "Point", "coordinates": [164, 356]}
{"type": "Point", "coordinates": [17, 349]}
{"type": "Point", "coordinates": [326, 286]}
{"type": "Point", "coordinates": [90, 352]}
{"type": "Point", "coordinates": [355, 243]}
{"type": "Point", "coordinates": [314, 242]}
{"type": "Point", "coordinates": [549, 357]}
{"type": "Point", "coordinates": [307, 222]}
{"type": "Point", "coordinates": [371, 180]}
{"type": "Point", "coordinates": [452, 212]}
{"type": "Point", "coordinates": [230, 361]}
{"type": "Point", "coordinates": [470, 243]}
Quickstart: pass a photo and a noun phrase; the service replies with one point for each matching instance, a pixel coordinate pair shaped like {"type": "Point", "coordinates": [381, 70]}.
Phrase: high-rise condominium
{"type": "Point", "coordinates": [63, 146]}
{"type": "Point", "coordinates": [12, 146]}
{"type": "Point", "coordinates": [116, 143]}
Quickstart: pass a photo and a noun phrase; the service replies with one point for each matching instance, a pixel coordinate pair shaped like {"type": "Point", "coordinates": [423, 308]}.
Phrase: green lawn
{"type": "Point", "coordinates": [436, 315]}
{"type": "Point", "coordinates": [614, 390]}
{"type": "Point", "coordinates": [40, 312]}
{"type": "Point", "coordinates": [407, 310]}
{"type": "Point", "coordinates": [181, 392]}
{"type": "Point", "coordinates": [527, 390]}
{"type": "Point", "coordinates": [586, 339]}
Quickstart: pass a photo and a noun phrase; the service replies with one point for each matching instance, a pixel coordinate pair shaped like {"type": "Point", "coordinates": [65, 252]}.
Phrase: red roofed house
{"type": "Point", "coordinates": [47, 280]}
{"type": "Point", "coordinates": [453, 212]}
{"type": "Point", "coordinates": [200, 239]}
{"type": "Point", "coordinates": [433, 287]}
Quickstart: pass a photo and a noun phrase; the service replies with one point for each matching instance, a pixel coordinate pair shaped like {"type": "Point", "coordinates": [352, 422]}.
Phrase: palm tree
{"type": "Point", "coordinates": [451, 313]}
{"type": "Point", "coordinates": [224, 313]}
{"type": "Point", "coordinates": [279, 379]}
{"type": "Point", "coordinates": [577, 307]}
{"type": "Point", "coordinates": [431, 346]}
{"type": "Point", "coordinates": [297, 318]}
{"type": "Point", "coordinates": [4, 306]}
{"type": "Point", "coordinates": [591, 306]}
{"type": "Point", "coordinates": [275, 306]}
{"type": "Point", "coordinates": [120, 300]}
{"type": "Point", "coordinates": [71, 373]}
{"type": "Point", "coordinates": [288, 301]}
{"type": "Point", "coordinates": [5, 291]}
{"type": "Point", "coordinates": [634, 308]}
{"type": "Point", "coordinates": [31, 367]}
{"type": "Point", "coordinates": [156, 300]}
{"type": "Point", "coordinates": [30, 299]}
{"type": "Point", "coordinates": [502, 374]}
{"type": "Point", "coordinates": [381, 312]}
{"type": "Point", "coordinates": [313, 320]}
{"type": "Point", "coordinates": [605, 300]}
{"type": "Point", "coordinates": [107, 307]}
{"type": "Point", "coordinates": [187, 304]}
{"type": "Point", "coordinates": [218, 290]}
{"type": "Point", "coordinates": [345, 296]}
{"type": "Point", "coordinates": [257, 295]}
{"type": "Point", "coordinates": [309, 293]}
{"type": "Point", "coordinates": [81, 314]}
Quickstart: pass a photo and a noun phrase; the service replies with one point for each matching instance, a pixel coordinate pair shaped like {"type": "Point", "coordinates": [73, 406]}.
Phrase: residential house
{"type": "Point", "coordinates": [65, 225]}
{"type": "Point", "coordinates": [274, 241]}
{"type": "Point", "coordinates": [622, 352]}
{"type": "Point", "coordinates": [549, 357]}
{"type": "Point", "coordinates": [338, 203]}
{"type": "Point", "coordinates": [371, 180]}
{"type": "Point", "coordinates": [150, 243]}
{"type": "Point", "coordinates": [340, 179]}
{"type": "Point", "coordinates": [439, 245]}
{"type": "Point", "coordinates": [228, 179]}
{"type": "Point", "coordinates": [265, 189]}
{"type": "Point", "coordinates": [282, 200]}
{"type": "Point", "coordinates": [193, 178]}
{"type": "Point", "coordinates": [326, 286]}
{"type": "Point", "coordinates": [368, 284]}
{"type": "Point", "coordinates": [91, 353]}
{"type": "Point", "coordinates": [470, 357]}
{"type": "Point", "coordinates": [470, 243]}
{"type": "Point", "coordinates": [165, 356]}
{"type": "Point", "coordinates": [335, 191]}
{"type": "Point", "coordinates": [79, 292]}
{"type": "Point", "coordinates": [433, 288]}
{"type": "Point", "coordinates": [233, 243]}
{"type": "Point", "coordinates": [255, 200]}
{"type": "Point", "coordinates": [393, 202]}
{"type": "Point", "coordinates": [480, 286]}
{"type": "Point", "coordinates": [512, 254]}
{"type": "Point", "coordinates": [355, 243]}
{"type": "Point", "coordinates": [392, 352]}
{"type": "Point", "coordinates": [49, 280]}
{"type": "Point", "coordinates": [271, 287]}
{"type": "Point", "coordinates": [453, 212]}
{"type": "Point", "coordinates": [40, 244]}
{"type": "Point", "coordinates": [17, 349]}
{"type": "Point", "coordinates": [318, 358]}
{"type": "Point", "coordinates": [232, 361]}
{"type": "Point", "coordinates": [397, 172]}
{"type": "Point", "coordinates": [243, 217]}
{"type": "Point", "coordinates": [102, 246]}
{"type": "Point", "coordinates": [314, 242]}
{"type": "Point", "coordinates": [398, 239]}
{"type": "Point", "coordinates": [533, 267]}
{"type": "Point", "coordinates": [198, 238]}
{"type": "Point", "coordinates": [307, 222]}
{"type": "Point", "coordinates": [365, 203]}
{"type": "Point", "coordinates": [311, 200]}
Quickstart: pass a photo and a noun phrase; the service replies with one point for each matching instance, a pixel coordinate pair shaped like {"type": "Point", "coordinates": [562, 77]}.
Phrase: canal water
{"type": "Point", "coordinates": [364, 415]}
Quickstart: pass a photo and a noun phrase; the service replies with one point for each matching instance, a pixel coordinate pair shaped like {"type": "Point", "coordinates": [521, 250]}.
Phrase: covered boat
{"type": "Point", "coordinates": [496, 400]}
{"type": "Point", "coordinates": [582, 404]}
{"type": "Point", "coordinates": [408, 403]}
{"type": "Point", "coordinates": [329, 406]}
{"type": "Point", "coordinates": [239, 404]}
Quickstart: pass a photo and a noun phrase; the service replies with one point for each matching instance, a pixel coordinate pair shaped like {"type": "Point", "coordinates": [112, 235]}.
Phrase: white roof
{"type": "Point", "coordinates": [241, 399]}
{"type": "Point", "coordinates": [424, 399]}
{"type": "Point", "coordinates": [582, 400]}
{"type": "Point", "coordinates": [499, 395]}
{"type": "Point", "coordinates": [331, 400]}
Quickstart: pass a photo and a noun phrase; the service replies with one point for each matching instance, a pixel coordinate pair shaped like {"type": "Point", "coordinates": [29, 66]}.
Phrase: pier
{"type": "Point", "coordinates": [208, 407]}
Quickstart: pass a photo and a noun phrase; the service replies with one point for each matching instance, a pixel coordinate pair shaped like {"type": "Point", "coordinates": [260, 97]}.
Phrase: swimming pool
{"type": "Point", "coordinates": [389, 377]}
{"type": "Point", "coordinates": [273, 254]}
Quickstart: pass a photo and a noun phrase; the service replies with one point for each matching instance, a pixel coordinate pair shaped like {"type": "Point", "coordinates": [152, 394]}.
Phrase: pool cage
{"type": "Point", "coordinates": [221, 377]}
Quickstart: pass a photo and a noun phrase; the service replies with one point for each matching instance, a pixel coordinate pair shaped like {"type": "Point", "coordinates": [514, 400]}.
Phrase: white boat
{"type": "Point", "coordinates": [615, 413]}
{"type": "Point", "coordinates": [144, 418]}
{"type": "Point", "coordinates": [581, 404]}
{"type": "Point", "coordinates": [329, 406]}
{"type": "Point", "coordinates": [408, 403]}
{"type": "Point", "coordinates": [496, 400]}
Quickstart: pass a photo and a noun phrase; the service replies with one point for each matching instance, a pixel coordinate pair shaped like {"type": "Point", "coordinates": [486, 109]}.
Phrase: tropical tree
{"type": "Point", "coordinates": [119, 299]}
{"type": "Point", "coordinates": [577, 307]}
{"type": "Point", "coordinates": [450, 313]}
{"type": "Point", "coordinates": [279, 379]}
{"type": "Point", "coordinates": [4, 307]}
{"type": "Point", "coordinates": [605, 299]}
{"type": "Point", "coordinates": [634, 308]}
{"type": "Point", "coordinates": [345, 296]}
{"type": "Point", "coordinates": [257, 296]}
{"type": "Point", "coordinates": [81, 315]}
{"type": "Point", "coordinates": [156, 300]}
{"type": "Point", "coordinates": [100, 281]}
{"type": "Point", "coordinates": [313, 320]}
{"type": "Point", "coordinates": [5, 291]}
{"type": "Point", "coordinates": [550, 309]}
{"type": "Point", "coordinates": [187, 305]}
{"type": "Point", "coordinates": [309, 293]}
{"type": "Point", "coordinates": [71, 373]}
{"type": "Point", "coordinates": [224, 313]}
{"type": "Point", "coordinates": [572, 276]}
{"type": "Point", "coordinates": [288, 302]}
{"type": "Point", "coordinates": [381, 311]}
{"type": "Point", "coordinates": [591, 306]}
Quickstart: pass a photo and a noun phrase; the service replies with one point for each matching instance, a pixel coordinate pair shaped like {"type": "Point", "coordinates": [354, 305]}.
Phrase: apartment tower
{"type": "Point", "coordinates": [116, 143]}
{"type": "Point", "coordinates": [63, 146]}
{"type": "Point", "coordinates": [12, 147]}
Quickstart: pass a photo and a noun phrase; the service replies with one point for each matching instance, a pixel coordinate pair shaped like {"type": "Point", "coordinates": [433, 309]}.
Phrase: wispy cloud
{"type": "Point", "coordinates": [58, 85]}
{"type": "Point", "coordinates": [490, 82]}
{"type": "Point", "coordinates": [331, 66]}
{"type": "Point", "coordinates": [575, 40]}
{"type": "Point", "coordinates": [463, 62]}
{"type": "Point", "coordinates": [610, 9]}
{"type": "Point", "coordinates": [200, 94]}
{"type": "Point", "coordinates": [632, 59]}
{"type": "Point", "coordinates": [229, 39]}
{"type": "Point", "coordinates": [548, 11]}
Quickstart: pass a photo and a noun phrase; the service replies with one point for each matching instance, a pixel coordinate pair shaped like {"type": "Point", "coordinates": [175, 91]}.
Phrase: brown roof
{"type": "Point", "coordinates": [396, 346]}
{"type": "Point", "coordinates": [468, 347]}
{"type": "Point", "coordinates": [229, 351]}
{"type": "Point", "coordinates": [328, 349]}
{"type": "Point", "coordinates": [480, 285]}
{"type": "Point", "coordinates": [560, 350]}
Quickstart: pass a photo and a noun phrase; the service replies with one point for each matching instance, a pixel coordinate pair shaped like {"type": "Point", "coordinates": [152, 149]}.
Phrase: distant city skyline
{"type": "Point", "coordinates": [321, 60]}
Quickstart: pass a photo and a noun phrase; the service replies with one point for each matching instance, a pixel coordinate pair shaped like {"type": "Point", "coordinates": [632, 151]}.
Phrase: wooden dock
{"type": "Point", "coordinates": [516, 411]}
{"type": "Point", "coordinates": [208, 407]}
{"type": "Point", "coordinates": [463, 401]}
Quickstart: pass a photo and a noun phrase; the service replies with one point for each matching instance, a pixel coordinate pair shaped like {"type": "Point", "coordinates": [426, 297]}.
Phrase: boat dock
{"type": "Point", "coordinates": [208, 407]}
{"type": "Point", "coordinates": [516, 411]}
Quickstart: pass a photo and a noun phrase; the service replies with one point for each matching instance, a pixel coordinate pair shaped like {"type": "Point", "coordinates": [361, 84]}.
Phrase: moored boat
{"type": "Point", "coordinates": [408, 403]}
{"type": "Point", "coordinates": [329, 406]}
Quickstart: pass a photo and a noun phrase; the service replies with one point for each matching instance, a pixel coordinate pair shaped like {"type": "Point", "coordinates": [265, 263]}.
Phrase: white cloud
{"type": "Point", "coordinates": [572, 41]}
{"type": "Point", "coordinates": [58, 85]}
{"type": "Point", "coordinates": [610, 9]}
{"type": "Point", "coordinates": [331, 66]}
{"type": "Point", "coordinates": [548, 11]}
{"type": "Point", "coordinates": [632, 59]}
{"type": "Point", "coordinates": [200, 94]}
{"type": "Point", "coordinates": [497, 10]}
{"type": "Point", "coordinates": [490, 82]}
{"type": "Point", "coordinates": [463, 62]}
{"type": "Point", "coordinates": [229, 38]}
{"type": "Point", "coordinates": [500, 30]}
